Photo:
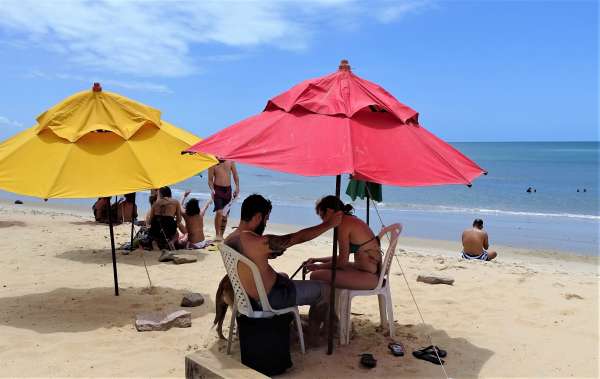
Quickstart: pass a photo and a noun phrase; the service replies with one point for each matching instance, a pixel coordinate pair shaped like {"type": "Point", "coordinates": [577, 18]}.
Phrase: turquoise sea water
{"type": "Point", "coordinates": [555, 217]}
{"type": "Point", "coordinates": [555, 170]}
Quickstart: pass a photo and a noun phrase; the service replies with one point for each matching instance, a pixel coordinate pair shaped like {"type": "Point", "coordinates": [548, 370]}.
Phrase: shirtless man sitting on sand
{"type": "Point", "coordinates": [475, 243]}
{"type": "Point", "coordinates": [219, 182]}
{"type": "Point", "coordinates": [282, 292]}
{"type": "Point", "coordinates": [164, 219]}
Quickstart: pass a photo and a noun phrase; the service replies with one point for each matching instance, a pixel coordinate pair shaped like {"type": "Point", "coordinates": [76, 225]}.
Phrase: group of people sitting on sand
{"type": "Point", "coordinates": [169, 224]}
{"type": "Point", "coordinates": [176, 224]}
{"type": "Point", "coordinates": [124, 210]}
{"type": "Point", "coordinates": [172, 224]}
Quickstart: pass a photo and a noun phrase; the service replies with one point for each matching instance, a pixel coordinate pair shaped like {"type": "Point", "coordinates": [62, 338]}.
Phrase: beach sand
{"type": "Point", "coordinates": [528, 314]}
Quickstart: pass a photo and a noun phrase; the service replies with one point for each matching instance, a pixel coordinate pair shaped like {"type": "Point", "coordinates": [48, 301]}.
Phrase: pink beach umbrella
{"type": "Point", "coordinates": [342, 124]}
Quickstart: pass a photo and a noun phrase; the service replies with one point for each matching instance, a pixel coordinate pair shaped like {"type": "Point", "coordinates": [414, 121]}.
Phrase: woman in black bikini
{"type": "Point", "coordinates": [354, 238]}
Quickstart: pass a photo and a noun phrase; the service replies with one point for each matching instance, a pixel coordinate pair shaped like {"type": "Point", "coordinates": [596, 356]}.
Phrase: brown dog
{"type": "Point", "coordinates": [223, 299]}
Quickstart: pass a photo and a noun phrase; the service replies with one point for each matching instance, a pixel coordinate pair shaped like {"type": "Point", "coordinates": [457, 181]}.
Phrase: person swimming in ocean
{"type": "Point", "coordinates": [476, 244]}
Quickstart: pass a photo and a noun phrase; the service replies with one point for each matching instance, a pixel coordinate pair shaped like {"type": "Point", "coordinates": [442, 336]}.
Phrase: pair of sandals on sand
{"type": "Point", "coordinates": [427, 354]}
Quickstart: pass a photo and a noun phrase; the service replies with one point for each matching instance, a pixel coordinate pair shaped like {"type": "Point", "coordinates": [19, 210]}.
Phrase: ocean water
{"type": "Point", "coordinates": [555, 170]}
{"type": "Point", "coordinates": [555, 217]}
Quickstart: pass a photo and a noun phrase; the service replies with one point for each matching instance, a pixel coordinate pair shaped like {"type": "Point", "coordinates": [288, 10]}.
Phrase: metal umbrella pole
{"type": "Point", "coordinates": [368, 203]}
{"type": "Point", "coordinates": [112, 245]}
{"type": "Point", "coordinates": [338, 180]}
{"type": "Point", "coordinates": [133, 219]}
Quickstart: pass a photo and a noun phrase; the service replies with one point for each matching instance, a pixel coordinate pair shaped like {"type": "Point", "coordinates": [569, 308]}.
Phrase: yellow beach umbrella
{"type": "Point", "coordinates": [96, 144]}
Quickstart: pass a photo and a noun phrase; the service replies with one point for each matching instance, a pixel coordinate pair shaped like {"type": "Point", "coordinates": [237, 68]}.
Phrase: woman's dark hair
{"type": "Point", "coordinates": [254, 204]}
{"type": "Point", "coordinates": [165, 191]}
{"type": "Point", "coordinates": [192, 207]}
{"type": "Point", "coordinates": [152, 199]}
{"type": "Point", "coordinates": [332, 202]}
{"type": "Point", "coordinates": [130, 197]}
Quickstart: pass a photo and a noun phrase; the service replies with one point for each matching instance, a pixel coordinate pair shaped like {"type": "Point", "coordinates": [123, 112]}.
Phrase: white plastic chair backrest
{"type": "Point", "coordinates": [231, 258]}
{"type": "Point", "coordinates": [387, 259]}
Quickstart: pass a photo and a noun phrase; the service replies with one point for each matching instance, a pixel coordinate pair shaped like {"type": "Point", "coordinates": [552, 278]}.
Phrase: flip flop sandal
{"type": "Point", "coordinates": [429, 357]}
{"type": "Point", "coordinates": [396, 348]}
{"type": "Point", "coordinates": [367, 360]}
{"type": "Point", "coordinates": [430, 349]}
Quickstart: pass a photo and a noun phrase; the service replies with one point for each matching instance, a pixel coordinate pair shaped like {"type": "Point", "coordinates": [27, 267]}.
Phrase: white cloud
{"type": "Point", "coordinates": [107, 83]}
{"type": "Point", "coordinates": [395, 10]}
{"type": "Point", "coordinates": [137, 86]}
{"type": "Point", "coordinates": [6, 122]}
{"type": "Point", "coordinates": [155, 38]}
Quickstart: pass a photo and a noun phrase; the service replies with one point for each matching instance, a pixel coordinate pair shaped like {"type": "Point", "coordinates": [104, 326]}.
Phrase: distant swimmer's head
{"type": "Point", "coordinates": [478, 223]}
{"type": "Point", "coordinates": [255, 211]}
{"type": "Point", "coordinates": [332, 204]}
{"type": "Point", "coordinates": [192, 207]}
{"type": "Point", "coordinates": [165, 191]}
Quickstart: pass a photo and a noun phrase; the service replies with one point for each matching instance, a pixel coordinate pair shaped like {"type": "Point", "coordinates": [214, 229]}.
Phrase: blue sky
{"type": "Point", "coordinates": [476, 71]}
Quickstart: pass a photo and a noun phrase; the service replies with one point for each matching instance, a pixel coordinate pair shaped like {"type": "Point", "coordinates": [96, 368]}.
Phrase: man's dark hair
{"type": "Point", "coordinates": [478, 223]}
{"type": "Point", "coordinates": [254, 204]}
{"type": "Point", "coordinates": [165, 191]}
{"type": "Point", "coordinates": [130, 197]}
{"type": "Point", "coordinates": [192, 207]}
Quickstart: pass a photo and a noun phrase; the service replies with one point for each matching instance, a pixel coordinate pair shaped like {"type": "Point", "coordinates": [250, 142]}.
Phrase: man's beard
{"type": "Point", "coordinates": [260, 229]}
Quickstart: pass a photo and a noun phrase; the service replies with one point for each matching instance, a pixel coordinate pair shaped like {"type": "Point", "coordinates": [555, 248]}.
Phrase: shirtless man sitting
{"type": "Point", "coordinates": [219, 182]}
{"type": "Point", "coordinates": [164, 219]}
{"type": "Point", "coordinates": [475, 243]}
{"type": "Point", "coordinates": [282, 292]}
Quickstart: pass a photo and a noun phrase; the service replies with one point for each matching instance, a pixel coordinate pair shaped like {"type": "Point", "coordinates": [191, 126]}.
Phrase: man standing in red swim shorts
{"type": "Point", "coordinates": [219, 182]}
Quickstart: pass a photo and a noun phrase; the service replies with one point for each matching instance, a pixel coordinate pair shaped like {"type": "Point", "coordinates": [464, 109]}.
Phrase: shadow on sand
{"type": "Point", "coordinates": [70, 310]}
{"type": "Point", "coordinates": [8, 224]}
{"type": "Point", "coordinates": [134, 258]}
{"type": "Point", "coordinates": [89, 222]}
{"type": "Point", "coordinates": [464, 359]}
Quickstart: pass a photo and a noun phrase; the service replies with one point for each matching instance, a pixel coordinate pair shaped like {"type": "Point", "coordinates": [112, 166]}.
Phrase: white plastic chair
{"type": "Point", "coordinates": [384, 295]}
{"type": "Point", "coordinates": [241, 299]}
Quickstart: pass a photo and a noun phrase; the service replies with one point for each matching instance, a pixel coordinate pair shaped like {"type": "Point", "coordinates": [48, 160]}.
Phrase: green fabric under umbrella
{"type": "Point", "coordinates": [358, 188]}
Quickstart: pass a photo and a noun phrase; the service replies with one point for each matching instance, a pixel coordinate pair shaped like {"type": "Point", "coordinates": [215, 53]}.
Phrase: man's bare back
{"type": "Point", "coordinates": [268, 275]}
{"type": "Point", "coordinates": [475, 242]}
{"type": "Point", "coordinates": [166, 206]}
